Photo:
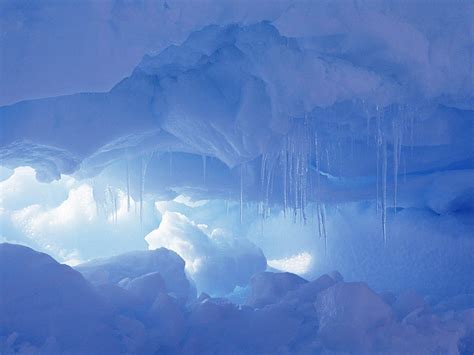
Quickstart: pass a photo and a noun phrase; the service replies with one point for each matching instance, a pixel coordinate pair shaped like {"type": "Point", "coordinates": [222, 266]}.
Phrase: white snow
{"type": "Point", "coordinates": [216, 260]}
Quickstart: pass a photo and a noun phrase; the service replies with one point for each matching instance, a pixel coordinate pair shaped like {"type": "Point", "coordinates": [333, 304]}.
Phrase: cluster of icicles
{"type": "Point", "coordinates": [304, 156]}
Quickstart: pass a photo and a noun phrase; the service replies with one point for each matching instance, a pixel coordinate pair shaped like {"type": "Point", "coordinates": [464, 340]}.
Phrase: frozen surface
{"type": "Point", "coordinates": [252, 147]}
{"type": "Point", "coordinates": [325, 315]}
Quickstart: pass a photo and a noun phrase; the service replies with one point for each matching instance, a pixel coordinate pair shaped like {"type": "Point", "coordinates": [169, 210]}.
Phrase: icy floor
{"type": "Point", "coordinates": [143, 302]}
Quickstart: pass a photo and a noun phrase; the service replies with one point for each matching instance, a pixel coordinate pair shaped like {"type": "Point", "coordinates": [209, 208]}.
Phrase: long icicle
{"type": "Point", "coordinates": [397, 152]}
{"type": "Point", "coordinates": [323, 224]}
{"type": "Point", "coordinates": [384, 190]}
{"type": "Point", "coordinates": [204, 168]}
{"type": "Point", "coordinates": [378, 143]}
{"type": "Point", "coordinates": [241, 194]}
{"type": "Point", "coordinates": [142, 183]}
{"type": "Point", "coordinates": [128, 186]}
{"type": "Point", "coordinates": [318, 182]}
{"type": "Point", "coordinates": [285, 178]}
{"type": "Point", "coordinates": [262, 185]}
{"type": "Point", "coordinates": [144, 167]}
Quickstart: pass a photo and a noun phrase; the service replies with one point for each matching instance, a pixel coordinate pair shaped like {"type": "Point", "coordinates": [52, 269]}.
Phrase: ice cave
{"type": "Point", "coordinates": [236, 177]}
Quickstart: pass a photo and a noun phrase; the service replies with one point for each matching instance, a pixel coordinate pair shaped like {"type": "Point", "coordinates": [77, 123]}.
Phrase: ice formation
{"type": "Point", "coordinates": [252, 147]}
{"type": "Point", "coordinates": [142, 314]}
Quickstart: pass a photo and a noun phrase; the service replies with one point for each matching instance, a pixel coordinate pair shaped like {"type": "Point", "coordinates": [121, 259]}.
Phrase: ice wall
{"type": "Point", "coordinates": [288, 112]}
{"type": "Point", "coordinates": [303, 109]}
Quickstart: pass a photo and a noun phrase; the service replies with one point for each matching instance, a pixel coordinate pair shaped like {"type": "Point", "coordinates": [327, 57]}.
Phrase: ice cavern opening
{"type": "Point", "coordinates": [236, 177]}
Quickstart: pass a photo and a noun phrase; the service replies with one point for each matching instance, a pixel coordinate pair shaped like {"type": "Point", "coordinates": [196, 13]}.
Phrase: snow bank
{"type": "Point", "coordinates": [73, 220]}
{"type": "Point", "coordinates": [216, 260]}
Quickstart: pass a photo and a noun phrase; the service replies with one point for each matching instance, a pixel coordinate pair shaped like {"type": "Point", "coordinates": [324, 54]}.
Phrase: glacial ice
{"type": "Point", "coordinates": [324, 315]}
{"type": "Point", "coordinates": [336, 128]}
{"type": "Point", "coordinates": [252, 147]}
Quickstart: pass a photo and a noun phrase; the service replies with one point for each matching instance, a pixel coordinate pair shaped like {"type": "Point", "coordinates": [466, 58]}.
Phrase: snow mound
{"type": "Point", "coordinates": [216, 260]}
{"type": "Point", "coordinates": [46, 305]}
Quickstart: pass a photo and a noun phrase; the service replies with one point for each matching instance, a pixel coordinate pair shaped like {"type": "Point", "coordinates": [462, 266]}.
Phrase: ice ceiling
{"type": "Point", "coordinates": [294, 105]}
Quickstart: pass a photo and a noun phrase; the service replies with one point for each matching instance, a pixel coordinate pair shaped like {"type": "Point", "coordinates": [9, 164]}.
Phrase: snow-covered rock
{"type": "Point", "coordinates": [133, 265]}
{"type": "Point", "coordinates": [48, 308]}
{"type": "Point", "coordinates": [348, 313]}
{"type": "Point", "coordinates": [269, 287]}
{"type": "Point", "coordinates": [166, 323]}
{"type": "Point", "coordinates": [44, 302]}
{"type": "Point", "coordinates": [146, 287]}
{"type": "Point", "coordinates": [307, 292]}
{"type": "Point", "coordinates": [408, 302]}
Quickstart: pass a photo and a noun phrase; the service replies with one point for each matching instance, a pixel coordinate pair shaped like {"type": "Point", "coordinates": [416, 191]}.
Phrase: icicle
{"type": "Point", "coordinates": [297, 180]}
{"type": "Point", "coordinates": [318, 183]}
{"type": "Point", "coordinates": [368, 122]}
{"type": "Point", "coordinates": [404, 169]}
{"type": "Point", "coordinates": [412, 128]}
{"type": "Point", "coordinates": [378, 143]}
{"type": "Point", "coordinates": [397, 137]}
{"type": "Point", "coordinates": [268, 186]}
{"type": "Point", "coordinates": [290, 172]}
{"type": "Point", "coordinates": [144, 167]}
{"type": "Point", "coordinates": [170, 163]}
{"type": "Point", "coordinates": [285, 183]}
{"type": "Point", "coordinates": [303, 199]}
{"type": "Point", "coordinates": [263, 194]}
{"type": "Point", "coordinates": [142, 184]}
{"type": "Point", "coordinates": [135, 208]}
{"type": "Point", "coordinates": [113, 200]}
{"type": "Point", "coordinates": [384, 191]}
{"type": "Point", "coordinates": [272, 180]}
{"type": "Point", "coordinates": [115, 208]}
{"type": "Point", "coordinates": [323, 225]}
{"type": "Point", "coordinates": [327, 159]}
{"type": "Point", "coordinates": [241, 194]}
{"type": "Point", "coordinates": [304, 183]}
{"type": "Point", "coordinates": [128, 187]}
{"type": "Point", "coordinates": [98, 198]}
{"type": "Point", "coordinates": [318, 214]}
{"type": "Point", "coordinates": [204, 168]}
